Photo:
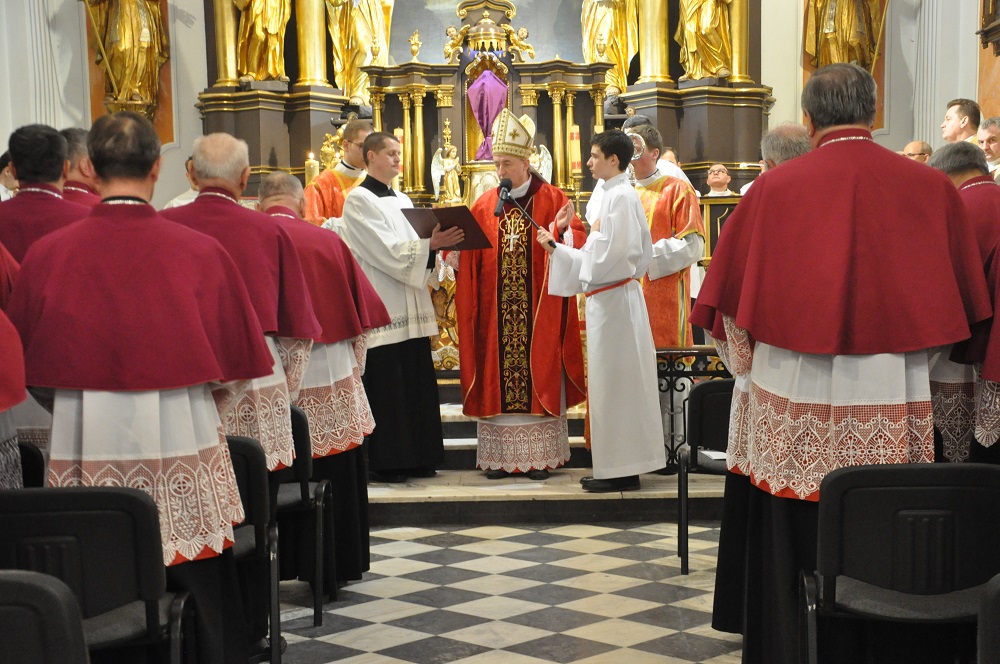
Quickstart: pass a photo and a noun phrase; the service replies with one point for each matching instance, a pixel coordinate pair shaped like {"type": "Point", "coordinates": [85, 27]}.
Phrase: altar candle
{"type": "Point", "coordinates": [575, 160]}
{"type": "Point", "coordinates": [312, 168]}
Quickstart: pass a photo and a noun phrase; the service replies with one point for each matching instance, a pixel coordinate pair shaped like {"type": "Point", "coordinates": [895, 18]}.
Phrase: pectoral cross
{"type": "Point", "coordinates": [511, 238]}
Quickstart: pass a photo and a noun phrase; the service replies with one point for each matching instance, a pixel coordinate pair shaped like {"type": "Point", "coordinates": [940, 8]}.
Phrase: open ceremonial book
{"type": "Point", "coordinates": [424, 220]}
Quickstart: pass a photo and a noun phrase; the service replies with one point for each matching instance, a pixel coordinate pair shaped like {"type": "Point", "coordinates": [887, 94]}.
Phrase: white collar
{"type": "Point", "coordinates": [521, 190]}
{"type": "Point", "coordinates": [621, 178]}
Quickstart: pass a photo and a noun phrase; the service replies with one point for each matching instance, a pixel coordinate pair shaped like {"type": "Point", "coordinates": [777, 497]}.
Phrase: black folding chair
{"type": "Point", "coordinates": [256, 542]}
{"type": "Point", "coordinates": [32, 465]}
{"type": "Point", "coordinates": [40, 620]}
{"type": "Point", "coordinates": [298, 495]}
{"type": "Point", "coordinates": [104, 543]}
{"type": "Point", "coordinates": [908, 543]}
{"type": "Point", "coordinates": [706, 424]}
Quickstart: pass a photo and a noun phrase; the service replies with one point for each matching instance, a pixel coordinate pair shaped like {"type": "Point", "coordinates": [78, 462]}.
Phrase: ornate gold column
{"type": "Point", "coordinates": [310, 19]}
{"type": "Point", "coordinates": [377, 98]}
{"type": "Point", "coordinates": [418, 140]}
{"type": "Point", "coordinates": [739, 22]}
{"type": "Point", "coordinates": [408, 158]}
{"type": "Point", "coordinates": [558, 138]}
{"type": "Point", "coordinates": [598, 97]}
{"type": "Point", "coordinates": [654, 58]}
{"type": "Point", "coordinates": [226, 29]}
{"type": "Point", "coordinates": [569, 124]}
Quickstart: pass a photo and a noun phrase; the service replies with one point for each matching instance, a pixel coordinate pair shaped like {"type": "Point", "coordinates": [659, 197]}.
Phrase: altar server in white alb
{"type": "Point", "coordinates": [625, 424]}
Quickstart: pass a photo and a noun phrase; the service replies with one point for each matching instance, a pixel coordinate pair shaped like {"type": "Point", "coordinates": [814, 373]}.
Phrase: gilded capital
{"type": "Point", "coordinates": [444, 96]}
{"type": "Point", "coordinates": [529, 96]}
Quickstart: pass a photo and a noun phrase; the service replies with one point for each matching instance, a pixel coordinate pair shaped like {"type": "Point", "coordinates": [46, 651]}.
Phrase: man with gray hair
{"type": "Point", "coordinates": [965, 429]}
{"type": "Point", "coordinates": [332, 394]}
{"type": "Point", "coordinates": [823, 272]}
{"type": "Point", "coordinates": [786, 141]}
{"type": "Point", "coordinates": [81, 180]}
{"type": "Point", "coordinates": [988, 138]}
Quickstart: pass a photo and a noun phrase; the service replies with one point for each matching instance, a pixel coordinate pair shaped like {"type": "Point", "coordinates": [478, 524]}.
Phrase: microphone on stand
{"type": "Point", "coordinates": [505, 186]}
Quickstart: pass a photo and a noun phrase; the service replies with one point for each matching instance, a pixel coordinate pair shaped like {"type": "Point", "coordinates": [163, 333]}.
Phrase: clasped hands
{"type": "Point", "coordinates": [557, 227]}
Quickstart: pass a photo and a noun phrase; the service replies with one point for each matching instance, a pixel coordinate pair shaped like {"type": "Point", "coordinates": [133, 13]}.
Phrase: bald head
{"type": "Point", "coordinates": [221, 160]}
{"type": "Point", "coordinates": [918, 151]}
{"type": "Point", "coordinates": [280, 189]}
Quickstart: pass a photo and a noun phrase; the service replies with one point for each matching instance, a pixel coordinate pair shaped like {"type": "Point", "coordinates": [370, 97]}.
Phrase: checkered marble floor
{"type": "Point", "coordinates": [519, 595]}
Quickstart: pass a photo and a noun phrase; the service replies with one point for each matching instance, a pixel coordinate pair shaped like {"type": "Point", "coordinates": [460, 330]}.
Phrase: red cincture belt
{"type": "Point", "coordinates": [607, 288]}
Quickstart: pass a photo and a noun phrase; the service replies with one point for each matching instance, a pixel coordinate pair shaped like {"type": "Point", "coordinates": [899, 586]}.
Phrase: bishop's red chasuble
{"type": "Point", "coordinates": [672, 211]}
{"type": "Point", "coordinates": [517, 342]}
{"type": "Point", "coordinates": [326, 193]}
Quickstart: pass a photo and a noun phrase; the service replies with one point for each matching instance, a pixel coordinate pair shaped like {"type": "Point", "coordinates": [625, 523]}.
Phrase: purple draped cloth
{"type": "Point", "coordinates": [488, 96]}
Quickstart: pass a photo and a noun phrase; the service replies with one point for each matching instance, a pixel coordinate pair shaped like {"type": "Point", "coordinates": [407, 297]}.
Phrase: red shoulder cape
{"type": "Point", "coordinates": [36, 211]}
{"type": "Point", "coordinates": [555, 350]}
{"type": "Point", "coordinates": [827, 254]}
{"type": "Point", "coordinates": [125, 300]}
{"type": "Point", "coordinates": [11, 366]}
{"type": "Point", "coordinates": [9, 269]}
{"type": "Point", "coordinates": [265, 256]}
{"type": "Point", "coordinates": [344, 301]}
{"type": "Point", "coordinates": [80, 193]}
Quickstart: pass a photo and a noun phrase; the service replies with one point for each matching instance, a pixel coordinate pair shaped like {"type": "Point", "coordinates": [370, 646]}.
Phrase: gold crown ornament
{"type": "Point", "coordinates": [513, 136]}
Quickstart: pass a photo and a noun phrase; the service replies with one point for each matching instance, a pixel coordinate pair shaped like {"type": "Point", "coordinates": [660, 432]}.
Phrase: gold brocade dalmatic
{"type": "Point", "coordinates": [703, 34]}
{"type": "Point", "coordinates": [611, 34]}
{"type": "Point", "coordinates": [842, 31]}
{"type": "Point", "coordinates": [514, 311]}
{"type": "Point", "coordinates": [262, 38]}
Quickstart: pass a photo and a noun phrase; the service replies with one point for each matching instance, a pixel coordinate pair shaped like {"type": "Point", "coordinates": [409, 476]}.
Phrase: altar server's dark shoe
{"type": "Point", "coordinates": [630, 483]}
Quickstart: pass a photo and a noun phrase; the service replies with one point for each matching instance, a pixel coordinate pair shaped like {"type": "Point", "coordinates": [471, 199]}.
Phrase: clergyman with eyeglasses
{"type": "Point", "coordinates": [326, 193]}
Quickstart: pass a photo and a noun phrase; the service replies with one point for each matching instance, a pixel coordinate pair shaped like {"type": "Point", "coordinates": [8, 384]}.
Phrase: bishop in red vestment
{"type": "Point", "coordinates": [827, 289]}
{"type": "Point", "coordinates": [11, 387]}
{"type": "Point", "coordinates": [270, 266]}
{"type": "Point", "coordinates": [80, 180]}
{"type": "Point", "coordinates": [520, 354]}
{"type": "Point", "coordinates": [38, 156]}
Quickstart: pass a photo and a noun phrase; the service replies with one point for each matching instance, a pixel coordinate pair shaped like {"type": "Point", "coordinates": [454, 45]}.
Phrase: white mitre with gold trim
{"type": "Point", "coordinates": [513, 136]}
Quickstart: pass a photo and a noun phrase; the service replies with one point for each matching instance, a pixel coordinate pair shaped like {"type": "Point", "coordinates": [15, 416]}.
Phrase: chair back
{"type": "Point", "coordinates": [32, 465]}
{"type": "Point", "coordinates": [302, 466]}
{"type": "Point", "coordinates": [250, 468]}
{"type": "Point", "coordinates": [989, 624]}
{"type": "Point", "coordinates": [708, 408]}
{"type": "Point", "coordinates": [40, 620]}
{"type": "Point", "coordinates": [922, 529]}
{"type": "Point", "coordinates": [103, 542]}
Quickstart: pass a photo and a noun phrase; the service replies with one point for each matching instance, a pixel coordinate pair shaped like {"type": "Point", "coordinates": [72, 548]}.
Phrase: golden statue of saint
{"type": "Point", "coordinates": [133, 46]}
{"type": "Point", "coordinates": [359, 30]}
{"type": "Point", "coordinates": [446, 168]}
{"type": "Point", "coordinates": [703, 33]}
{"type": "Point", "coordinates": [842, 31]}
{"type": "Point", "coordinates": [611, 34]}
{"type": "Point", "coordinates": [261, 44]}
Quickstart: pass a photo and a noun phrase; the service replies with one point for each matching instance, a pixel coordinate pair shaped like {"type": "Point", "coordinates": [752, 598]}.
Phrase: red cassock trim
{"type": "Point", "coordinates": [830, 254]}
{"type": "Point", "coordinates": [265, 256]}
{"type": "Point", "coordinates": [555, 352]}
{"type": "Point", "coordinates": [125, 300]}
{"type": "Point", "coordinates": [343, 299]}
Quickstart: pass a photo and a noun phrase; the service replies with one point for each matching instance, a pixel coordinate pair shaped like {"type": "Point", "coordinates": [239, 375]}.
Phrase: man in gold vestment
{"type": "Point", "coordinates": [262, 39]}
{"type": "Point", "coordinates": [611, 34]}
{"type": "Point", "coordinates": [842, 31]}
{"type": "Point", "coordinates": [703, 33]}
{"type": "Point", "coordinates": [675, 225]}
{"type": "Point", "coordinates": [326, 193]}
{"type": "Point", "coordinates": [359, 30]}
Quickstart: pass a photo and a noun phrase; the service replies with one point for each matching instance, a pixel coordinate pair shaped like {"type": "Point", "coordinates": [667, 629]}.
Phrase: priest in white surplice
{"type": "Point", "coordinates": [625, 424]}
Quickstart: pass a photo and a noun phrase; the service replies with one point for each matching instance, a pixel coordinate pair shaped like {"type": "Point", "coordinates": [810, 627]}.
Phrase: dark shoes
{"type": "Point", "coordinates": [386, 476]}
{"type": "Point", "coordinates": [537, 474]}
{"type": "Point", "coordinates": [421, 472]}
{"type": "Point", "coordinates": [630, 483]}
{"type": "Point", "coordinates": [261, 651]}
{"type": "Point", "coordinates": [496, 474]}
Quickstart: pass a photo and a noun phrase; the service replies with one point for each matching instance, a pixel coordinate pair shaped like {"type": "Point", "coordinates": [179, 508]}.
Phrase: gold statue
{"type": "Point", "coordinates": [359, 30]}
{"type": "Point", "coordinates": [453, 48]}
{"type": "Point", "coordinates": [261, 42]}
{"type": "Point", "coordinates": [446, 169]}
{"type": "Point", "coordinates": [519, 46]}
{"type": "Point", "coordinates": [842, 31]}
{"type": "Point", "coordinates": [415, 44]}
{"type": "Point", "coordinates": [611, 34]}
{"type": "Point", "coordinates": [331, 150]}
{"type": "Point", "coordinates": [132, 46]}
{"type": "Point", "coordinates": [703, 33]}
